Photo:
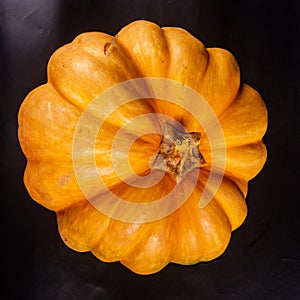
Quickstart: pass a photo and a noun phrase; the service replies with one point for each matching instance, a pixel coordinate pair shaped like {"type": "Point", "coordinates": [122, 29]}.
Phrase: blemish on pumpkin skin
{"type": "Point", "coordinates": [64, 180]}
{"type": "Point", "coordinates": [64, 238]}
{"type": "Point", "coordinates": [106, 47]}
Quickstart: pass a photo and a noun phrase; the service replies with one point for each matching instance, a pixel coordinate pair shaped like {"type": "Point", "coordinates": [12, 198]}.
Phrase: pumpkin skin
{"type": "Point", "coordinates": [94, 62]}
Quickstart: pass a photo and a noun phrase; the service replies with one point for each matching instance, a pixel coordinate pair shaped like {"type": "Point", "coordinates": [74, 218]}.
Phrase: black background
{"type": "Point", "coordinates": [262, 260]}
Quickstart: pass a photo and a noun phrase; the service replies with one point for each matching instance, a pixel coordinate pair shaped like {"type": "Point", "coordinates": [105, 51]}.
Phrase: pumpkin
{"type": "Point", "coordinates": [183, 158]}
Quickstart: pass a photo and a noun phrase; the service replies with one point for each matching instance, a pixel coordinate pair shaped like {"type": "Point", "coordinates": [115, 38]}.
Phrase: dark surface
{"type": "Point", "coordinates": [262, 260]}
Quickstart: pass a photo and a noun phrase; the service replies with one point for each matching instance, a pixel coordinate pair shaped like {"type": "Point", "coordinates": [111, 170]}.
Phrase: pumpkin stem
{"type": "Point", "coordinates": [178, 152]}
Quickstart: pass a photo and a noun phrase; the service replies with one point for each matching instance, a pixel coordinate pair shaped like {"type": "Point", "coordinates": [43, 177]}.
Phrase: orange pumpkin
{"type": "Point", "coordinates": [90, 65]}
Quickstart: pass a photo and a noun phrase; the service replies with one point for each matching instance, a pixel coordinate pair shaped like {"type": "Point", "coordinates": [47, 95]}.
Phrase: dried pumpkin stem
{"type": "Point", "coordinates": [178, 152]}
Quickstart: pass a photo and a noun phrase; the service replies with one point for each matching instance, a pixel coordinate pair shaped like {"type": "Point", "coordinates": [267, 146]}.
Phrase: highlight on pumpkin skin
{"type": "Point", "coordinates": [92, 134]}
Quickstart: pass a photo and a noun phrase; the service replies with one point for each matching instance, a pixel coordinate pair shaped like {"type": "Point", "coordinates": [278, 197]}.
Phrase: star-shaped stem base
{"type": "Point", "coordinates": [178, 152]}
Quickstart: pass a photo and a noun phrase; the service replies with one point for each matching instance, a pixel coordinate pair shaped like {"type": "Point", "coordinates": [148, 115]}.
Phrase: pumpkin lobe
{"type": "Point", "coordinates": [178, 152]}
